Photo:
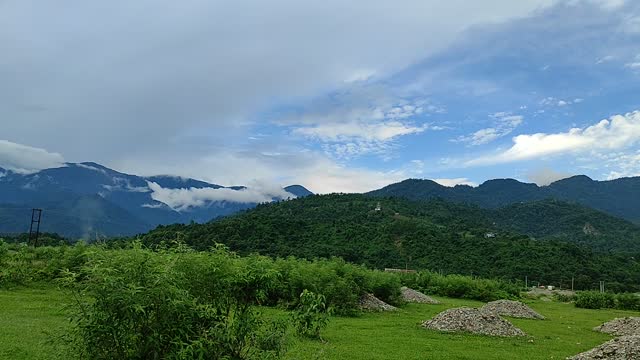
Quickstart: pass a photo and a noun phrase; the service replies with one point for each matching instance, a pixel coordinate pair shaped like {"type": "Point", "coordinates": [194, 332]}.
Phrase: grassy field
{"type": "Point", "coordinates": [29, 317]}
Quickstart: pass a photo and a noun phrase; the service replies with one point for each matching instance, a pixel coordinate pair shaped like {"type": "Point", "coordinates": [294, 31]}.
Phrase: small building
{"type": "Point", "coordinates": [407, 271]}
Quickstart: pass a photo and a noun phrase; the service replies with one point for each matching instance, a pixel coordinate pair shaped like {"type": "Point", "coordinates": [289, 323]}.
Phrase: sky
{"type": "Point", "coordinates": [336, 96]}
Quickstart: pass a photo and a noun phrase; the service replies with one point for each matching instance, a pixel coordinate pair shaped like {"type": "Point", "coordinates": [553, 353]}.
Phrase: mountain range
{"type": "Point", "coordinates": [619, 197]}
{"type": "Point", "coordinates": [88, 200]}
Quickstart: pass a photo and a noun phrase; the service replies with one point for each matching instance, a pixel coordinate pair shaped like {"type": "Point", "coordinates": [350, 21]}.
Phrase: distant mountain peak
{"type": "Point", "coordinates": [574, 179]}
{"type": "Point", "coordinates": [298, 190]}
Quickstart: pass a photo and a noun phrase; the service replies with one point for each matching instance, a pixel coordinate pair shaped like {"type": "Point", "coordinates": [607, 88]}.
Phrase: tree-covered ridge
{"type": "Point", "coordinates": [434, 235]}
{"type": "Point", "coordinates": [616, 197]}
{"type": "Point", "coordinates": [553, 219]}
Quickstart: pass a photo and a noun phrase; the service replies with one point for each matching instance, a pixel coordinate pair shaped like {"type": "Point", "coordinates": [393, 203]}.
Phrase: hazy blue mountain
{"type": "Point", "coordinates": [620, 197]}
{"type": "Point", "coordinates": [298, 190]}
{"type": "Point", "coordinates": [92, 201]}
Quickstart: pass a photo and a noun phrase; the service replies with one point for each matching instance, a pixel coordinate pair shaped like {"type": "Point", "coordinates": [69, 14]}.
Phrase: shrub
{"type": "Point", "coordinates": [595, 300]}
{"type": "Point", "coordinates": [140, 308]}
{"type": "Point", "coordinates": [459, 286]}
{"type": "Point", "coordinates": [564, 297]}
{"type": "Point", "coordinates": [311, 315]}
{"type": "Point", "coordinates": [628, 301]}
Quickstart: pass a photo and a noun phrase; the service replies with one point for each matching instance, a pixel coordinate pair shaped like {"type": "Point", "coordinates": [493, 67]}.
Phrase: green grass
{"type": "Point", "coordinates": [30, 317]}
{"type": "Point", "coordinates": [567, 331]}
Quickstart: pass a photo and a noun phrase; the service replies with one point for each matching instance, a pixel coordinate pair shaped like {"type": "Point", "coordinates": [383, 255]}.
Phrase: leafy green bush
{"type": "Point", "coordinates": [565, 298]}
{"type": "Point", "coordinates": [459, 286]}
{"type": "Point", "coordinates": [139, 307]}
{"type": "Point", "coordinates": [595, 300]}
{"type": "Point", "coordinates": [311, 315]}
{"type": "Point", "coordinates": [628, 301]}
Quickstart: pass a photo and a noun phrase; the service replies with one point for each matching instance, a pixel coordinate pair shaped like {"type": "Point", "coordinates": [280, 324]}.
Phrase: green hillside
{"type": "Point", "coordinates": [552, 219]}
{"type": "Point", "coordinates": [433, 235]}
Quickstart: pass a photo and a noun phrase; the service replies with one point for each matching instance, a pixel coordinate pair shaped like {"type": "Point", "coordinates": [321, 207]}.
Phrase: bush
{"type": "Point", "coordinates": [139, 307]}
{"type": "Point", "coordinates": [311, 315]}
{"type": "Point", "coordinates": [564, 297]}
{"type": "Point", "coordinates": [459, 286]}
{"type": "Point", "coordinates": [595, 300]}
{"type": "Point", "coordinates": [628, 301]}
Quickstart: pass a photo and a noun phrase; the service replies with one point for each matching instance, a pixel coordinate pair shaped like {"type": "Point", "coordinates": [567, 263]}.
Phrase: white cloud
{"type": "Point", "coordinates": [26, 159]}
{"type": "Point", "coordinates": [504, 124]}
{"type": "Point", "coordinates": [620, 131]}
{"type": "Point", "coordinates": [89, 167]}
{"type": "Point", "coordinates": [551, 101]}
{"type": "Point", "coordinates": [183, 199]}
{"type": "Point", "coordinates": [604, 59]}
{"type": "Point", "coordinates": [371, 132]}
{"type": "Point", "coordinates": [362, 120]}
{"type": "Point", "coordinates": [545, 176]}
{"type": "Point", "coordinates": [454, 182]}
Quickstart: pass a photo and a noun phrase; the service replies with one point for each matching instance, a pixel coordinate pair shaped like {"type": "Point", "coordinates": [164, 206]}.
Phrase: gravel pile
{"type": "Point", "coordinates": [621, 326]}
{"type": "Point", "coordinates": [622, 348]}
{"type": "Point", "coordinates": [472, 320]}
{"type": "Point", "coordinates": [511, 308]}
{"type": "Point", "coordinates": [369, 302]}
{"type": "Point", "coordinates": [413, 296]}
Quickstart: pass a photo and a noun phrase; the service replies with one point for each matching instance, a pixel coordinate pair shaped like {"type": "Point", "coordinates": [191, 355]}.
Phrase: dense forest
{"type": "Point", "coordinates": [433, 235]}
{"type": "Point", "coordinates": [570, 222]}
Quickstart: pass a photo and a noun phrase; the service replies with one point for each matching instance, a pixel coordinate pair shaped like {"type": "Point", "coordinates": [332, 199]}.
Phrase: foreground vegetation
{"type": "Point", "coordinates": [177, 303]}
{"type": "Point", "coordinates": [32, 317]}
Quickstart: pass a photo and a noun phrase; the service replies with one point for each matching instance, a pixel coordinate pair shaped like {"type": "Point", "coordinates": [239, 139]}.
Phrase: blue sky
{"type": "Point", "coordinates": [334, 97]}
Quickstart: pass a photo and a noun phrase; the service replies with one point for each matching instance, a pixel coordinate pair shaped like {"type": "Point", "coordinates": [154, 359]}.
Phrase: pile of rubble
{"type": "Point", "coordinates": [474, 321]}
{"type": "Point", "coordinates": [512, 308]}
{"type": "Point", "coordinates": [413, 296]}
{"type": "Point", "coordinates": [368, 302]}
{"type": "Point", "coordinates": [621, 326]}
{"type": "Point", "coordinates": [622, 348]}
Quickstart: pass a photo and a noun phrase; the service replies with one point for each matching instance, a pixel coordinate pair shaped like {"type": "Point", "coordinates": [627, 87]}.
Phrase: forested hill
{"type": "Point", "coordinates": [617, 197]}
{"type": "Point", "coordinates": [434, 235]}
{"type": "Point", "coordinates": [553, 219]}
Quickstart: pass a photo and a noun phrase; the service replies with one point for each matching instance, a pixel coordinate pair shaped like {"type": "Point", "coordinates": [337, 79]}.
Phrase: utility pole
{"type": "Point", "coordinates": [526, 282]}
{"type": "Point", "coordinates": [34, 234]}
{"type": "Point", "coordinates": [572, 278]}
{"type": "Point", "coordinates": [601, 286]}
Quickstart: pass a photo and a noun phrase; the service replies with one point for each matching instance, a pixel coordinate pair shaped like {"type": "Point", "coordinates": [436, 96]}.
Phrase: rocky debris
{"type": "Point", "coordinates": [621, 326]}
{"type": "Point", "coordinates": [512, 308]}
{"type": "Point", "coordinates": [622, 348]}
{"type": "Point", "coordinates": [472, 320]}
{"type": "Point", "coordinates": [413, 296]}
{"type": "Point", "coordinates": [369, 302]}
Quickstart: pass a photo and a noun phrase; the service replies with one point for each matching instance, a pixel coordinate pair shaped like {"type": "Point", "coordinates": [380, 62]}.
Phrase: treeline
{"type": "Point", "coordinates": [434, 235]}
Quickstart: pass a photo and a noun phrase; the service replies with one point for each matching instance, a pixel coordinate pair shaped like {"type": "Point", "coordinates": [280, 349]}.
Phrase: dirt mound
{"type": "Point", "coordinates": [622, 348]}
{"type": "Point", "coordinates": [472, 320]}
{"type": "Point", "coordinates": [511, 308]}
{"type": "Point", "coordinates": [621, 326]}
{"type": "Point", "coordinates": [369, 302]}
{"type": "Point", "coordinates": [413, 296]}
